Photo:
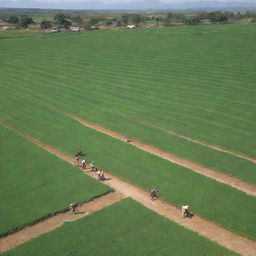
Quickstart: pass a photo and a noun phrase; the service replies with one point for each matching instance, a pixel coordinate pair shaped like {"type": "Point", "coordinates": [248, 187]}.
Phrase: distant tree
{"type": "Point", "coordinates": [219, 17]}
{"type": "Point", "coordinates": [116, 21]}
{"type": "Point", "coordinates": [66, 23]}
{"type": "Point", "coordinates": [108, 23]}
{"type": "Point", "coordinates": [61, 19]}
{"type": "Point", "coordinates": [136, 18]}
{"type": "Point", "coordinates": [25, 21]}
{"type": "Point", "coordinates": [92, 22]}
{"type": "Point", "coordinates": [125, 19]}
{"type": "Point", "coordinates": [192, 20]}
{"type": "Point", "coordinates": [167, 21]}
{"type": "Point", "coordinates": [158, 20]}
{"type": "Point", "coordinates": [45, 24]}
{"type": "Point", "coordinates": [203, 15]}
{"type": "Point", "coordinates": [169, 16]}
{"type": "Point", "coordinates": [179, 17]}
{"type": "Point", "coordinates": [77, 20]}
{"type": "Point", "coordinates": [13, 19]}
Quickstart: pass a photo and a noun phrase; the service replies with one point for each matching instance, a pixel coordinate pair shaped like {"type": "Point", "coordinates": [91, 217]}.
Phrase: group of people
{"type": "Point", "coordinates": [92, 167]}
{"type": "Point", "coordinates": [185, 211]}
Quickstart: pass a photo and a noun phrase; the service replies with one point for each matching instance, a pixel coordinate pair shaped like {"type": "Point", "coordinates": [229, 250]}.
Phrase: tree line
{"type": "Point", "coordinates": [65, 20]}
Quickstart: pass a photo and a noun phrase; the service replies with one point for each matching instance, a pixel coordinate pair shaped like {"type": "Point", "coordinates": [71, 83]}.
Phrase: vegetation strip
{"type": "Point", "coordinates": [231, 181]}
{"type": "Point", "coordinates": [205, 99]}
{"type": "Point", "coordinates": [210, 158]}
{"type": "Point", "coordinates": [36, 184]}
{"type": "Point", "coordinates": [253, 160]}
{"type": "Point", "coordinates": [30, 232]}
{"type": "Point", "coordinates": [201, 226]}
{"type": "Point", "coordinates": [130, 235]}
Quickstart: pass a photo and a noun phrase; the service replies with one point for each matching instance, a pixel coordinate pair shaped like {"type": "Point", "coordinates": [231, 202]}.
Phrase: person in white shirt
{"type": "Point", "coordinates": [184, 211]}
{"type": "Point", "coordinates": [83, 164]}
{"type": "Point", "coordinates": [72, 208]}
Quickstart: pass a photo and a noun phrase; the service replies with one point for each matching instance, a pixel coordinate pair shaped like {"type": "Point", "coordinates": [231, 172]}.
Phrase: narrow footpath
{"type": "Point", "coordinates": [210, 230]}
{"type": "Point", "coordinates": [51, 223]}
{"type": "Point", "coordinates": [218, 176]}
{"type": "Point", "coordinates": [217, 148]}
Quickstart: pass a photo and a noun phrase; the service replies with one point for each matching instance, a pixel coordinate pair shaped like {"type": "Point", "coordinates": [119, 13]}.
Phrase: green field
{"type": "Point", "coordinates": [197, 81]}
{"type": "Point", "coordinates": [176, 184]}
{"type": "Point", "coordinates": [36, 184]}
{"type": "Point", "coordinates": [125, 228]}
{"type": "Point", "coordinates": [11, 34]}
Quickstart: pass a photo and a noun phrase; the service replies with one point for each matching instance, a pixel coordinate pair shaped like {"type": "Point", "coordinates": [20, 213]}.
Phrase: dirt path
{"type": "Point", "coordinates": [220, 177]}
{"type": "Point", "coordinates": [29, 232]}
{"type": "Point", "coordinates": [201, 226]}
{"type": "Point", "coordinates": [251, 159]}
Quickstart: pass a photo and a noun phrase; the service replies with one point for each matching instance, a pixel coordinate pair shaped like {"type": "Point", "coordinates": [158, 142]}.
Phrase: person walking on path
{"type": "Point", "coordinates": [72, 208]}
{"type": "Point", "coordinates": [77, 163]}
{"type": "Point", "coordinates": [101, 175]}
{"type": "Point", "coordinates": [185, 212]}
{"type": "Point", "coordinates": [153, 194]}
{"type": "Point", "coordinates": [83, 164]}
{"type": "Point", "coordinates": [92, 167]}
{"type": "Point", "coordinates": [78, 153]}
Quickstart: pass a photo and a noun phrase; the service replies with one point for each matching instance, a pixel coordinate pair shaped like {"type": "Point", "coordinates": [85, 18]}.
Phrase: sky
{"type": "Point", "coordinates": [123, 4]}
{"type": "Point", "coordinates": [127, 1]}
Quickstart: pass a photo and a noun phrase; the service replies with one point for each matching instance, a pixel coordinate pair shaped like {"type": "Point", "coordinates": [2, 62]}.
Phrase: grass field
{"type": "Point", "coordinates": [11, 34]}
{"type": "Point", "coordinates": [35, 184]}
{"type": "Point", "coordinates": [197, 81]}
{"type": "Point", "coordinates": [125, 228]}
{"type": "Point", "coordinates": [177, 185]}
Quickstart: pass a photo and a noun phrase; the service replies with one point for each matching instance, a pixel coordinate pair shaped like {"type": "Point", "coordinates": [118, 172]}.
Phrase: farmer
{"type": "Point", "coordinates": [72, 208]}
{"type": "Point", "coordinates": [92, 167]}
{"type": "Point", "coordinates": [78, 153]}
{"type": "Point", "coordinates": [126, 138]}
{"type": "Point", "coordinates": [101, 175]}
{"type": "Point", "coordinates": [77, 161]}
{"type": "Point", "coordinates": [83, 164]}
{"type": "Point", "coordinates": [185, 211]}
{"type": "Point", "coordinates": [153, 194]}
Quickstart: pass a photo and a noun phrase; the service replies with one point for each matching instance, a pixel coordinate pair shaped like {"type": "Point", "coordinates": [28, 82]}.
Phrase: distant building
{"type": "Point", "coordinates": [131, 26]}
{"type": "Point", "coordinates": [93, 28]}
{"type": "Point", "coordinates": [205, 22]}
{"type": "Point", "coordinates": [74, 29]}
{"type": "Point", "coordinates": [54, 30]}
{"type": "Point", "coordinates": [8, 28]}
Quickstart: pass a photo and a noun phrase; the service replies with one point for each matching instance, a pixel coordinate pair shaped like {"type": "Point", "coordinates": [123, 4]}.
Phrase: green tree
{"type": "Point", "coordinates": [136, 18]}
{"type": "Point", "coordinates": [61, 19]}
{"type": "Point", "coordinates": [92, 22]}
{"type": "Point", "coordinates": [45, 24]}
{"type": "Point", "coordinates": [13, 19]}
{"type": "Point", "coordinates": [125, 19]}
{"type": "Point", "coordinates": [25, 21]}
{"type": "Point", "coordinates": [77, 20]}
{"type": "Point", "coordinates": [192, 20]}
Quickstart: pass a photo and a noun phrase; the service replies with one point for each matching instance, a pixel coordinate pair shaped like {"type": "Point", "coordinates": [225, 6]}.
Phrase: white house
{"type": "Point", "coordinates": [74, 29]}
{"type": "Point", "coordinates": [131, 26]}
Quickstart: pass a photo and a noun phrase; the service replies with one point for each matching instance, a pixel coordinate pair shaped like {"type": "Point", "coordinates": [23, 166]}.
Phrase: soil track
{"type": "Point", "coordinates": [29, 232]}
{"type": "Point", "coordinates": [220, 177]}
{"type": "Point", "coordinates": [251, 159]}
{"type": "Point", "coordinates": [203, 227]}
